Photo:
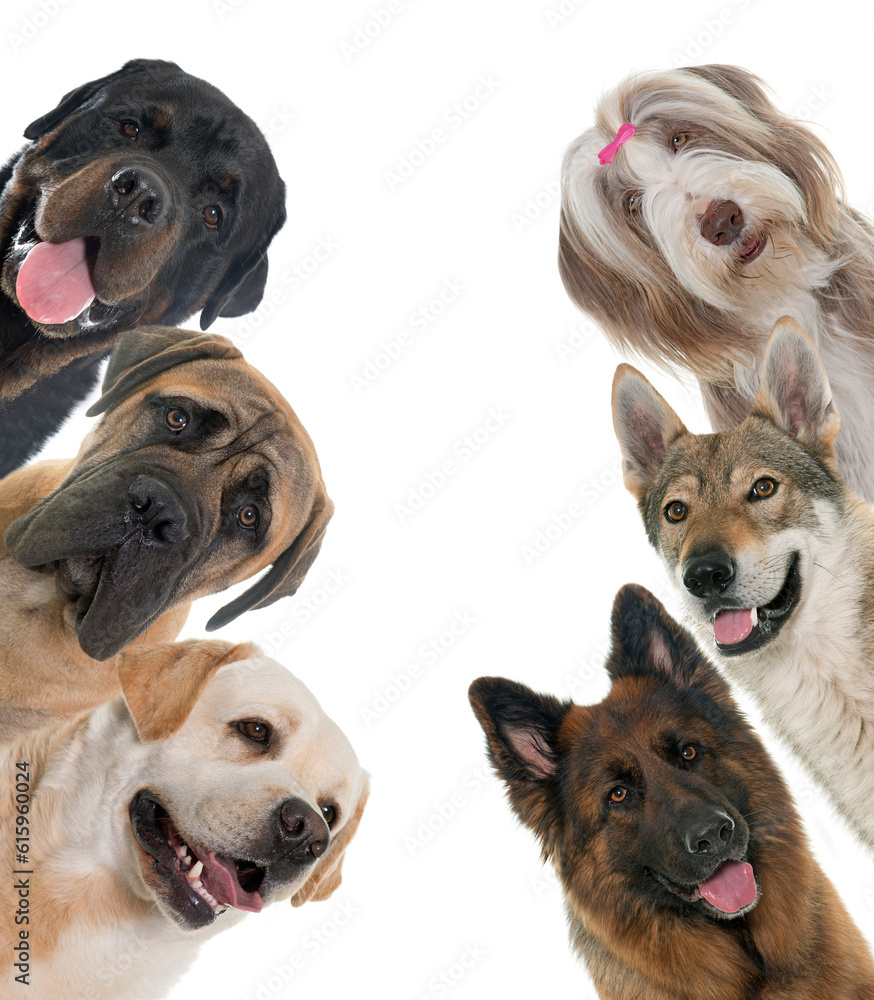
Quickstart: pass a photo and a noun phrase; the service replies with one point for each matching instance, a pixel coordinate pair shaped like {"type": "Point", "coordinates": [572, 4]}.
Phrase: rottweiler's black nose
{"type": "Point", "coordinates": [708, 575]}
{"type": "Point", "coordinates": [708, 834]}
{"type": "Point", "coordinates": [158, 511]}
{"type": "Point", "coordinates": [141, 194]}
{"type": "Point", "coordinates": [722, 223]}
{"type": "Point", "coordinates": [302, 832]}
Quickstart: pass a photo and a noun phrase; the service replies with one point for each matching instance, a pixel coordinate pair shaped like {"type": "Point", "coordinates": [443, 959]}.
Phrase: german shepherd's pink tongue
{"type": "Point", "coordinates": [732, 887]}
{"type": "Point", "coordinates": [733, 625]}
{"type": "Point", "coordinates": [54, 284]}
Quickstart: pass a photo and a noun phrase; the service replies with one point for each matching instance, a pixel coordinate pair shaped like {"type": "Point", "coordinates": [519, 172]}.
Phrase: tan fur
{"type": "Point", "coordinates": [97, 929]}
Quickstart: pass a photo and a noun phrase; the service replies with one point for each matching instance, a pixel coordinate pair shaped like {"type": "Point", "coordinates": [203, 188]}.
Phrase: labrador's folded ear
{"type": "Point", "coordinates": [161, 684]}
{"type": "Point", "coordinates": [328, 875]}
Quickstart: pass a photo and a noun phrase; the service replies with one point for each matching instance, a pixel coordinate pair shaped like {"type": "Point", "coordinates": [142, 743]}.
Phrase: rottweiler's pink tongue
{"type": "Point", "coordinates": [732, 887]}
{"type": "Point", "coordinates": [733, 625]}
{"type": "Point", "coordinates": [54, 283]}
{"type": "Point", "coordinates": [219, 876]}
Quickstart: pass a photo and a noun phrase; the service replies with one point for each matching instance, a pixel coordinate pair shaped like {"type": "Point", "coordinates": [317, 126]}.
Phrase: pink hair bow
{"type": "Point", "coordinates": [623, 135]}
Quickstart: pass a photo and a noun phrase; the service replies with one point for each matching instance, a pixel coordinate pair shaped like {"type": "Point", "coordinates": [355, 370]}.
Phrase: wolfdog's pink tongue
{"type": "Point", "coordinates": [733, 625]}
{"type": "Point", "coordinates": [54, 283]}
{"type": "Point", "coordinates": [731, 888]}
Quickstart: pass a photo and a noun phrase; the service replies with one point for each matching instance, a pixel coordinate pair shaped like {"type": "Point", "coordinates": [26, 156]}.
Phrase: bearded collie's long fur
{"type": "Point", "coordinates": [719, 215]}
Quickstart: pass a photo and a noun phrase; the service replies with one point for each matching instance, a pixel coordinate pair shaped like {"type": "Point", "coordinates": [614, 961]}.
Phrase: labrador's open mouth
{"type": "Point", "coordinates": [195, 882]}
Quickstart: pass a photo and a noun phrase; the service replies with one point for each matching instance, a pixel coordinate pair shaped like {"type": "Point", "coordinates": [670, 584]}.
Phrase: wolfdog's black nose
{"type": "Point", "coordinates": [710, 834]}
{"type": "Point", "coordinates": [708, 575]}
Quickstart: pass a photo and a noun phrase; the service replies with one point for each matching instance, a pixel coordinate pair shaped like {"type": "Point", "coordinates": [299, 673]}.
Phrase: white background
{"type": "Point", "coordinates": [339, 121]}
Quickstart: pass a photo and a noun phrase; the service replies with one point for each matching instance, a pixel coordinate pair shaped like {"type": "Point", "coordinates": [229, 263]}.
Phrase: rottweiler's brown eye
{"type": "Point", "coordinates": [763, 487]}
{"type": "Point", "coordinates": [212, 216]}
{"type": "Point", "coordinates": [248, 516]}
{"type": "Point", "coordinates": [689, 752]}
{"type": "Point", "coordinates": [255, 730]}
{"type": "Point", "coordinates": [679, 140]}
{"type": "Point", "coordinates": [330, 814]}
{"type": "Point", "coordinates": [676, 511]}
{"type": "Point", "coordinates": [176, 419]}
{"type": "Point", "coordinates": [619, 794]}
{"type": "Point", "coordinates": [130, 129]}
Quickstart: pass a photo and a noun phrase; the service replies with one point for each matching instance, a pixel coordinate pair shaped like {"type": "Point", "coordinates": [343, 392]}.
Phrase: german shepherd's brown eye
{"type": "Point", "coordinates": [619, 794]}
{"type": "Point", "coordinates": [255, 730]}
{"type": "Point", "coordinates": [212, 216]}
{"type": "Point", "coordinates": [679, 140]}
{"type": "Point", "coordinates": [130, 129]}
{"type": "Point", "coordinates": [676, 511]}
{"type": "Point", "coordinates": [762, 488]}
{"type": "Point", "coordinates": [330, 814]}
{"type": "Point", "coordinates": [176, 419]}
{"type": "Point", "coordinates": [689, 752]}
{"type": "Point", "coordinates": [248, 516]}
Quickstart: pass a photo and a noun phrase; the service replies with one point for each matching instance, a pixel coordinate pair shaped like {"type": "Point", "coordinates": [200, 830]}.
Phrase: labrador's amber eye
{"type": "Point", "coordinates": [330, 814]}
{"type": "Point", "coordinates": [255, 730]}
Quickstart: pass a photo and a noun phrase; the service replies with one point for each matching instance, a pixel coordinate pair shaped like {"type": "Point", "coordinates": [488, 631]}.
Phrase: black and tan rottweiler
{"type": "Point", "coordinates": [143, 197]}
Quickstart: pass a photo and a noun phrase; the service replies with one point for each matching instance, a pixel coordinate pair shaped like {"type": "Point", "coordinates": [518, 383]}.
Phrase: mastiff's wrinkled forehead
{"type": "Point", "coordinates": [198, 475]}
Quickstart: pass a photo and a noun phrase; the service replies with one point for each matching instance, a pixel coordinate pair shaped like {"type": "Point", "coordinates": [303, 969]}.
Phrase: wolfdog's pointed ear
{"type": "Point", "coordinates": [521, 730]}
{"type": "Point", "coordinates": [645, 425]}
{"type": "Point", "coordinates": [161, 684]}
{"type": "Point", "coordinates": [794, 391]}
{"type": "Point", "coordinates": [646, 640]}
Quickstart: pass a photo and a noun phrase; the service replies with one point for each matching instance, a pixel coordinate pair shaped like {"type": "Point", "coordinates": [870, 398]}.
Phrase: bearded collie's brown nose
{"type": "Point", "coordinates": [722, 223]}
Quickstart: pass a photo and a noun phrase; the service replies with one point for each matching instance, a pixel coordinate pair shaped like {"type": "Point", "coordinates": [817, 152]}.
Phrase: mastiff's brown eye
{"type": "Point", "coordinates": [689, 752]}
{"type": "Point", "coordinates": [330, 814]}
{"type": "Point", "coordinates": [619, 794]}
{"type": "Point", "coordinates": [248, 516]}
{"type": "Point", "coordinates": [212, 216]}
{"type": "Point", "coordinates": [676, 511]}
{"type": "Point", "coordinates": [255, 730]}
{"type": "Point", "coordinates": [679, 140]}
{"type": "Point", "coordinates": [130, 129]}
{"type": "Point", "coordinates": [176, 419]}
{"type": "Point", "coordinates": [762, 488]}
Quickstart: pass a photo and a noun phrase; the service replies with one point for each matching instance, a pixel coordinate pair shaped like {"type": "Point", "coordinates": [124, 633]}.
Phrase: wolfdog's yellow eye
{"type": "Point", "coordinates": [763, 488]}
{"type": "Point", "coordinates": [679, 140]}
{"type": "Point", "coordinates": [689, 752]}
{"type": "Point", "coordinates": [676, 511]}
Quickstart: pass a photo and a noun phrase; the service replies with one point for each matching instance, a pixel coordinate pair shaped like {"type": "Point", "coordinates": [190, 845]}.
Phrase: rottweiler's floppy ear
{"type": "Point", "coordinates": [145, 352]}
{"type": "Point", "coordinates": [645, 425]}
{"type": "Point", "coordinates": [794, 391]}
{"type": "Point", "coordinates": [328, 874]}
{"type": "Point", "coordinates": [161, 684]}
{"type": "Point", "coordinates": [242, 285]}
{"type": "Point", "coordinates": [647, 640]}
{"type": "Point", "coordinates": [81, 95]}
{"type": "Point", "coordinates": [287, 572]}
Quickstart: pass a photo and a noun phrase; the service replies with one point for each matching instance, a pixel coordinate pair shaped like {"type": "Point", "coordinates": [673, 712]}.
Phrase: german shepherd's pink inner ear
{"type": "Point", "coordinates": [161, 684]}
{"type": "Point", "coordinates": [326, 879]}
{"type": "Point", "coordinates": [287, 572]}
{"type": "Point", "coordinates": [794, 391]}
{"type": "Point", "coordinates": [143, 353]}
{"type": "Point", "coordinates": [646, 640]}
{"type": "Point", "coordinates": [645, 426]}
{"type": "Point", "coordinates": [521, 728]}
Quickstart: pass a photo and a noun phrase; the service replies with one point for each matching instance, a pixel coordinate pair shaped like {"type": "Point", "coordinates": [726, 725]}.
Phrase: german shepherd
{"type": "Point", "coordinates": [686, 871]}
{"type": "Point", "coordinates": [773, 555]}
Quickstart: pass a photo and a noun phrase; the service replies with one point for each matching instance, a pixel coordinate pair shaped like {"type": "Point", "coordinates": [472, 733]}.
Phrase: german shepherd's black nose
{"type": "Point", "coordinates": [709, 574]}
{"type": "Point", "coordinates": [709, 834]}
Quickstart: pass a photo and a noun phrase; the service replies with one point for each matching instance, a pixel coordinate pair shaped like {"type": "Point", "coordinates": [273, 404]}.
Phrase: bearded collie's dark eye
{"type": "Point", "coordinates": [762, 488]}
{"type": "Point", "coordinates": [676, 511]}
{"type": "Point", "coordinates": [632, 203]}
{"type": "Point", "coordinates": [679, 139]}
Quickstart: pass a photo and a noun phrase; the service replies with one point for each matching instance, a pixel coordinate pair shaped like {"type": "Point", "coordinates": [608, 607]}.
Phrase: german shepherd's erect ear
{"type": "Point", "coordinates": [521, 730]}
{"type": "Point", "coordinates": [794, 391]}
{"type": "Point", "coordinates": [645, 425]}
{"type": "Point", "coordinates": [647, 640]}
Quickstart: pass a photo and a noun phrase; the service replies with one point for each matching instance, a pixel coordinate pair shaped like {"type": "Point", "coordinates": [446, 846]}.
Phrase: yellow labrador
{"type": "Point", "coordinates": [146, 826]}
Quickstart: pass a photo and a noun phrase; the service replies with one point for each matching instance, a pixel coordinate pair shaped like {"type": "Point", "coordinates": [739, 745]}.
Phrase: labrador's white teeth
{"type": "Point", "coordinates": [195, 871]}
